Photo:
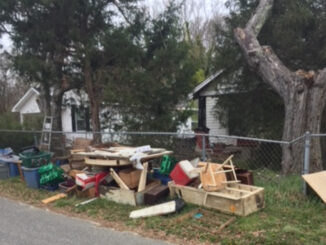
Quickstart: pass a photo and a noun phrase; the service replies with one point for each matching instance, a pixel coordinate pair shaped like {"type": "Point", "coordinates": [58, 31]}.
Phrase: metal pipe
{"type": "Point", "coordinates": [306, 159]}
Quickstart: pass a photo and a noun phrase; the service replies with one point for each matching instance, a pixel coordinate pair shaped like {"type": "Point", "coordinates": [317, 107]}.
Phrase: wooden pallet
{"type": "Point", "coordinates": [235, 199]}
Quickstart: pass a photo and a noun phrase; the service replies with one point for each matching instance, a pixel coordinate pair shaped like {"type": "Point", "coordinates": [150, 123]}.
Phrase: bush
{"type": "Point", "coordinates": [15, 140]}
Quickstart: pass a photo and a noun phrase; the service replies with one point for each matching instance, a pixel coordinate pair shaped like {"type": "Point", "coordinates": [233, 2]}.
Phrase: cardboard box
{"type": "Point", "coordinates": [88, 193]}
{"type": "Point", "coordinates": [130, 177]}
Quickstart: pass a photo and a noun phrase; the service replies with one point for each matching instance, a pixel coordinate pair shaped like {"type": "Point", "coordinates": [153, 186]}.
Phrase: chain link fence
{"type": "Point", "coordinates": [261, 156]}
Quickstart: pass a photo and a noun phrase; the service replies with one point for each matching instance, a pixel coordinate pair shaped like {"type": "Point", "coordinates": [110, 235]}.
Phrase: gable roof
{"type": "Point", "coordinates": [29, 94]}
{"type": "Point", "coordinates": [204, 84]}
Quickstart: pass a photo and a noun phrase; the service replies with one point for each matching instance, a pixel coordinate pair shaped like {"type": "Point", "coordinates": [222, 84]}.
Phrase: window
{"type": "Point", "coordinates": [80, 118]}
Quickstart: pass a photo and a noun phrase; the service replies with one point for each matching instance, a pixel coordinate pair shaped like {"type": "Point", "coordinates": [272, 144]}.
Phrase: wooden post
{"type": "Point", "coordinates": [119, 181]}
{"type": "Point", "coordinates": [143, 178]}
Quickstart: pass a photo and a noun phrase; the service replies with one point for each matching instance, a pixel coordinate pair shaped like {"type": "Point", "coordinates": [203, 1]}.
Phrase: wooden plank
{"type": "Point", "coordinates": [160, 209]}
{"type": "Point", "coordinates": [156, 155]}
{"type": "Point", "coordinates": [54, 198]}
{"type": "Point", "coordinates": [186, 216]}
{"type": "Point", "coordinates": [143, 178]}
{"type": "Point", "coordinates": [118, 180]}
{"type": "Point", "coordinates": [317, 181]}
{"type": "Point", "coordinates": [106, 162]}
{"type": "Point", "coordinates": [227, 223]}
{"type": "Point", "coordinates": [19, 166]}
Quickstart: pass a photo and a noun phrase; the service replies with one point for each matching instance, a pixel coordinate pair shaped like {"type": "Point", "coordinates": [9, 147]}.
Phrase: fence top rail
{"type": "Point", "coordinates": [318, 135]}
{"type": "Point", "coordinates": [158, 133]}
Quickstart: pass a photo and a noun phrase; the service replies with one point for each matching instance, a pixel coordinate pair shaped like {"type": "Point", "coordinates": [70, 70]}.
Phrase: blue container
{"type": "Point", "coordinates": [50, 187]}
{"type": "Point", "coordinates": [4, 170]}
{"type": "Point", "coordinates": [13, 169]}
{"type": "Point", "coordinates": [32, 178]}
{"type": "Point", "coordinates": [162, 177]}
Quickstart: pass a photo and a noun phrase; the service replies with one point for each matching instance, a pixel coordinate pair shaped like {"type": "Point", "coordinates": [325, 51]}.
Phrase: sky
{"type": "Point", "coordinates": [194, 9]}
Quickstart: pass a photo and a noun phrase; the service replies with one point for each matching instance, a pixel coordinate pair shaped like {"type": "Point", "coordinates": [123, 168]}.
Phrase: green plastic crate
{"type": "Point", "coordinates": [34, 160]}
{"type": "Point", "coordinates": [167, 164]}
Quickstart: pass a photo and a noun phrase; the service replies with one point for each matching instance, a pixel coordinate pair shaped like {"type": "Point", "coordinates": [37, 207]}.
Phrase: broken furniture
{"type": "Point", "coordinates": [199, 218]}
{"type": "Point", "coordinates": [155, 194]}
{"type": "Point", "coordinates": [213, 175]}
{"type": "Point", "coordinates": [235, 198]}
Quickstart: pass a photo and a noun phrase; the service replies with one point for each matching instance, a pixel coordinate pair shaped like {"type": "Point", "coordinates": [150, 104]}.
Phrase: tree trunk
{"type": "Point", "coordinates": [303, 111]}
{"type": "Point", "coordinates": [56, 109]}
{"type": "Point", "coordinates": [303, 92]}
{"type": "Point", "coordinates": [94, 103]}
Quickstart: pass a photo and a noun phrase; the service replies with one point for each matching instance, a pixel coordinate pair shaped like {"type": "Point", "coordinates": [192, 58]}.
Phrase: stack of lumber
{"type": "Point", "coordinates": [120, 156]}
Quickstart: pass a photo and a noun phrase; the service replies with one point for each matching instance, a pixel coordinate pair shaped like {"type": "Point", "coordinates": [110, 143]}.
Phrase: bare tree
{"type": "Point", "coordinates": [303, 92]}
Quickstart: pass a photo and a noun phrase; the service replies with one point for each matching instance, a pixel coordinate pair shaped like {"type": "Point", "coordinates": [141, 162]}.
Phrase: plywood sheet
{"type": "Point", "coordinates": [317, 181]}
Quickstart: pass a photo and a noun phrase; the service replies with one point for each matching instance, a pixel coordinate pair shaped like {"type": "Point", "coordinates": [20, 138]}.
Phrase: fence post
{"type": "Point", "coordinates": [306, 159]}
{"type": "Point", "coordinates": [203, 142]}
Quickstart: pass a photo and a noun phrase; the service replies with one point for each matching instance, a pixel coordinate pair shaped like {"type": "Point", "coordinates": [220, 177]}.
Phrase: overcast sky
{"type": "Point", "coordinates": [193, 9]}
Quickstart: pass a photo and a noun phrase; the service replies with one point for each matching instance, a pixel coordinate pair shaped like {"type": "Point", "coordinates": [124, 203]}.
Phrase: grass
{"type": "Point", "coordinates": [288, 217]}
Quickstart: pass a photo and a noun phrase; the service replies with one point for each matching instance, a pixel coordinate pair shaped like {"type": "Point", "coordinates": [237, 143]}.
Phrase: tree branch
{"type": "Point", "coordinates": [321, 78]}
{"type": "Point", "coordinates": [122, 12]}
{"type": "Point", "coordinates": [263, 60]}
{"type": "Point", "coordinates": [258, 20]}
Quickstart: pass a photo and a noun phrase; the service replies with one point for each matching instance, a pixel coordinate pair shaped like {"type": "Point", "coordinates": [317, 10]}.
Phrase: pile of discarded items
{"type": "Point", "coordinates": [127, 175]}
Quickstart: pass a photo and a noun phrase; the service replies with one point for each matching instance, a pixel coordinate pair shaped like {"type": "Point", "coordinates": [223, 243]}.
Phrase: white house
{"type": "Point", "coordinates": [27, 104]}
{"type": "Point", "coordinates": [207, 93]}
{"type": "Point", "coordinates": [75, 113]}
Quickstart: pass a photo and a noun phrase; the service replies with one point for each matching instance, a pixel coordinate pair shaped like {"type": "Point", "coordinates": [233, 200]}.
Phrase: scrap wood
{"type": "Point", "coordinates": [186, 216]}
{"type": "Point", "coordinates": [54, 198]}
{"type": "Point", "coordinates": [143, 178]}
{"type": "Point", "coordinates": [227, 223]}
{"type": "Point", "coordinates": [86, 202]}
{"type": "Point", "coordinates": [70, 189]}
{"type": "Point", "coordinates": [106, 162]}
{"type": "Point", "coordinates": [317, 181]}
{"type": "Point", "coordinates": [160, 209]}
{"type": "Point", "coordinates": [211, 220]}
{"type": "Point", "coordinates": [118, 179]}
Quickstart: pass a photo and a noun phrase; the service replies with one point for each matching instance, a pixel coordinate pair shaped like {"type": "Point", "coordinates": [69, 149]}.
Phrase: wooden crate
{"type": "Point", "coordinates": [235, 199]}
{"type": "Point", "coordinates": [130, 197]}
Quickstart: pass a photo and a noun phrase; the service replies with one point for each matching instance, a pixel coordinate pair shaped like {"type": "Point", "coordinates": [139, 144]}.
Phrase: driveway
{"type": "Point", "coordinates": [23, 224]}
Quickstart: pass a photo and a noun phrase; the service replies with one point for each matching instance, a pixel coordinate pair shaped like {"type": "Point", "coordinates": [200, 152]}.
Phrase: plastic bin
{"type": "Point", "coordinates": [4, 171]}
{"type": "Point", "coordinates": [165, 179]}
{"type": "Point", "coordinates": [167, 164]}
{"type": "Point", "coordinates": [50, 187]}
{"type": "Point", "coordinates": [32, 178]}
{"type": "Point", "coordinates": [35, 159]}
{"type": "Point", "coordinates": [13, 169]}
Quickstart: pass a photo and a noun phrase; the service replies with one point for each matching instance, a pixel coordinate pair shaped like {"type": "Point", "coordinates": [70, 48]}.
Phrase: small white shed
{"type": "Point", "coordinates": [207, 93]}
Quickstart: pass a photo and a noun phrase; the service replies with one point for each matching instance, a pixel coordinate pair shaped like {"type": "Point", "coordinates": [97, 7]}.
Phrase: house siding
{"type": "Point", "coordinates": [212, 122]}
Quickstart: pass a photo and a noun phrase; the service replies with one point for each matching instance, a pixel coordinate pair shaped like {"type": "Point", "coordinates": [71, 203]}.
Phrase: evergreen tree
{"type": "Point", "coordinates": [152, 91]}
